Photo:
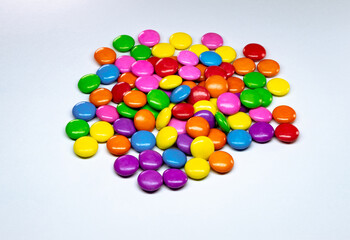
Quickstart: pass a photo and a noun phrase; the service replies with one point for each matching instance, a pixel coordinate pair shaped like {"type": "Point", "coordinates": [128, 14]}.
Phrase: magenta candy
{"type": "Point", "coordinates": [179, 125]}
{"type": "Point", "coordinates": [261, 132]}
{"type": "Point", "coordinates": [183, 142]}
{"type": "Point", "coordinates": [174, 178]}
{"type": "Point", "coordinates": [150, 160]}
{"type": "Point", "coordinates": [207, 115]}
{"type": "Point", "coordinates": [157, 77]}
{"type": "Point", "coordinates": [124, 126]}
{"type": "Point", "coordinates": [124, 63]}
{"type": "Point", "coordinates": [212, 40]}
{"type": "Point", "coordinates": [189, 72]}
{"type": "Point", "coordinates": [146, 83]}
{"type": "Point", "coordinates": [167, 92]}
{"type": "Point", "coordinates": [142, 68]}
{"type": "Point", "coordinates": [150, 180]}
{"type": "Point", "coordinates": [126, 165]}
{"type": "Point", "coordinates": [149, 38]}
{"type": "Point", "coordinates": [107, 113]}
{"type": "Point", "coordinates": [228, 103]}
{"type": "Point", "coordinates": [259, 114]}
{"type": "Point", "coordinates": [187, 58]}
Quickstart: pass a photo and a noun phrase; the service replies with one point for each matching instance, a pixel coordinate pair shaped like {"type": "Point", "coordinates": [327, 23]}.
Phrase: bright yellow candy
{"type": "Point", "coordinates": [197, 168]}
{"type": "Point", "coordinates": [180, 40]}
{"type": "Point", "coordinates": [278, 87]}
{"type": "Point", "coordinates": [166, 137]}
{"type": "Point", "coordinates": [204, 105]}
{"type": "Point", "coordinates": [227, 53]}
{"type": "Point", "coordinates": [202, 147]}
{"type": "Point", "coordinates": [163, 50]}
{"type": "Point", "coordinates": [198, 49]}
{"type": "Point", "coordinates": [214, 102]}
{"type": "Point", "coordinates": [239, 120]}
{"type": "Point", "coordinates": [85, 147]}
{"type": "Point", "coordinates": [170, 82]}
{"type": "Point", "coordinates": [101, 131]}
{"type": "Point", "coordinates": [163, 118]}
{"type": "Point", "coordinates": [171, 105]}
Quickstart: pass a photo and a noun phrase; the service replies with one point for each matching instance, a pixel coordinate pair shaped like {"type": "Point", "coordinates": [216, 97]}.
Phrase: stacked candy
{"type": "Point", "coordinates": [193, 100]}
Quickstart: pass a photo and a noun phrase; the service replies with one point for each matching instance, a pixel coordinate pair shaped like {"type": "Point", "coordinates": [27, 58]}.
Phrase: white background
{"type": "Point", "coordinates": [275, 191]}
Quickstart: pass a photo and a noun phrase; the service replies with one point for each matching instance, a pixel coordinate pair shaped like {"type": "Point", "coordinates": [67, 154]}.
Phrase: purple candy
{"type": "Point", "coordinates": [174, 178]}
{"type": "Point", "coordinates": [207, 115]}
{"type": "Point", "coordinates": [150, 180]}
{"type": "Point", "coordinates": [126, 165]}
{"type": "Point", "coordinates": [183, 142]}
{"type": "Point", "coordinates": [167, 92]}
{"type": "Point", "coordinates": [150, 160]}
{"type": "Point", "coordinates": [261, 132]}
{"type": "Point", "coordinates": [124, 126]}
{"type": "Point", "coordinates": [244, 109]}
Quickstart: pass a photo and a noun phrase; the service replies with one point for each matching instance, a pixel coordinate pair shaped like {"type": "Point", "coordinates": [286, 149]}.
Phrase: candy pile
{"type": "Point", "coordinates": [192, 99]}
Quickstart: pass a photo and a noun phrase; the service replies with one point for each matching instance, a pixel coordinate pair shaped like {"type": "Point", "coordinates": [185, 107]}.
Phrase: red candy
{"type": "Point", "coordinates": [183, 111]}
{"type": "Point", "coordinates": [153, 60]}
{"type": "Point", "coordinates": [229, 68]}
{"type": "Point", "coordinates": [198, 93]}
{"type": "Point", "coordinates": [286, 132]}
{"type": "Point", "coordinates": [119, 90]}
{"type": "Point", "coordinates": [215, 70]}
{"type": "Point", "coordinates": [254, 51]}
{"type": "Point", "coordinates": [166, 66]}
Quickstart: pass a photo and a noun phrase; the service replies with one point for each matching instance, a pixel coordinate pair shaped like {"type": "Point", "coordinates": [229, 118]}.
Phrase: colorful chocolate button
{"type": "Point", "coordinates": [174, 158]}
{"type": "Point", "coordinates": [118, 145]}
{"type": "Point", "coordinates": [268, 67]}
{"type": "Point", "coordinates": [212, 40]}
{"type": "Point", "coordinates": [278, 87]}
{"type": "Point", "coordinates": [166, 137]}
{"type": "Point", "coordinates": [239, 139]}
{"type": "Point", "coordinates": [180, 40]}
{"type": "Point", "coordinates": [202, 147]}
{"type": "Point", "coordinates": [197, 168]}
{"type": "Point", "coordinates": [287, 133]}
{"type": "Point", "coordinates": [126, 165]}
{"type": "Point", "coordinates": [254, 51]}
{"type": "Point", "coordinates": [85, 147]}
{"type": "Point", "coordinates": [221, 162]}
{"type": "Point", "coordinates": [105, 55]}
{"type": "Point", "coordinates": [284, 114]}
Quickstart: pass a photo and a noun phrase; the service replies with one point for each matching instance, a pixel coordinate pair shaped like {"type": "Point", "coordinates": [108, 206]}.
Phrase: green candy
{"type": "Point", "coordinates": [254, 80]}
{"type": "Point", "coordinates": [265, 95]}
{"type": "Point", "coordinates": [126, 111]}
{"type": "Point", "coordinates": [250, 98]}
{"type": "Point", "coordinates": [153, 111]}
{"type": "Point", "coordinates": [222, 122]}
{"type": "Point", "coordinates": [158, 99]}
{"type": "Point", "coordinates": [77, 128]}
{"type": "Point", "coordinates": [140, 52]}
{"type": "Point", "coordinates": [123, 43]}
{"type": "Point", "coordinates": [89, 83]}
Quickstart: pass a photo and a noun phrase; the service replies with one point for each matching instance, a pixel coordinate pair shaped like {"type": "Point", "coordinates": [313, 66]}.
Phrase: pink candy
{"type": "Point", "coordinates": [146, 83]}
{"type": "Point", "coordinates": [142, 68]}
{"type": "Point", "coordinates": [124, 63]}
{"type": "Point", "coordinates": [149, 38]}
{"type": "Point", "coordinates": [212, 40]}
{"type": "Point", "coordinates": [179, 125]}
{"type": "Point", "coordinates": [107, 113]}
{"type": "Point", "coordinates": [260, 114]}
{"type": "Point", "coordinates": [228, 103]}
{"type": "Point", "coordinates": [189, 72]}
{"type": "Point", "coordinates": [187, 58]}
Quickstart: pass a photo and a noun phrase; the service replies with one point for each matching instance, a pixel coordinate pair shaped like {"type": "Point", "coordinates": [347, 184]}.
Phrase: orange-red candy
{"type": "Point", "coordinates": [144, 120]}
{"type": "Point", "coordinates": [217, 137]}
{"type": "Point", "coordinates": [244, 66]}
{"type": "Point", "coordinates": [191, 84]}
{"type": "Point", "coordinates": [128, 77]}
{"type": "Point", "coordinates": [202, 84]}
{"type": "Point", "coordinates": [197, 126]}
{"type": "Point", "coordinates": [202, 68]}
{"type": "Point", "coordinates": [216, 85]}
{"type": "Point", "coordinates": [100, 97]}
{"type": "Point", "coordinates": [268, 67]}
{"type": "Point", "coordinates": [118, 145]}
{"type": "Point", "coordinates": [235, 85]}
{"type": "Point", "coordinates": [105, 55]}
{"type": "Point", "coordinates": [284, 114]}
{"type": "Point", "coordinates": [221, 162]}
{"type": "Point", "coordinates": [135, 99]}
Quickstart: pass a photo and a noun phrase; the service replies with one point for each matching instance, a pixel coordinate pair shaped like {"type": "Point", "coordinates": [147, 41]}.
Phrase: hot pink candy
{"type": "Point", "coordinates": [212, 40]}
{"type": "Point", "coordinates": [187, 58]}
{"type": "Point", "coordinates": [146, 83]}
{"type": "Point", "coordinates": [107, 113]}
{"type": "Point", "coordinates": [260, 114]}
{"type": "Point", "coordinates": [142, 68]}
{"type": "Point", "coordinates": [149, 38]}
{"type": "Point", "coordinates": [179, 125]}
{"type": "Point", "coordinates": [228, 103]}
{"type": "Point", "coordinates": [189, 72]}
{"type": "Point", "coordinates": [124, 63]}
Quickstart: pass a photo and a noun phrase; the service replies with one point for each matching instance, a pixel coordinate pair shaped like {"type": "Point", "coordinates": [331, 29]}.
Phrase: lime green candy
{"type": "Point", "coordinates": [126, 111]}
{"type": "Point", "coordinates": [123, 43]}
{"type": "Point", "coordinates": [222, 121]}
{"type": "Point", "coordinates": [140, 52]}
{"type": "Point", "coordinates": [89, 83]}
{"type": "Point", "coordinates": [250, 98]}
{"type": "Point", "coordinates": [265, 95]}
{"type": "Point", "coordinates": [77, 128]}
{"type": "Point", "coordinates": [254, 80]}
{"type": "Point", "coordinates": [158, 99]}
{"type": "Point", "coordinates": [152, 110]}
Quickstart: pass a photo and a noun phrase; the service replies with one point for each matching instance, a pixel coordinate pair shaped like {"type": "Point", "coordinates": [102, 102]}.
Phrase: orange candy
{"type": "Point", "coordinates": [197, 126]}
{"type": "Point", "coordinates": [216, 85]}
{"type": "Point", "coordinates": [221, 162]}
{"type": "Point", "coordinates": [135, 99]}
{"type": "Point", "coordinates": [202, 84]}
{"type": "Point", "coordinates": [191, 84]}
{"type": "Point", "coordinates": [105, 55]}
{"type": "Point", "coordinates": [268, 67]}
{"type": "Point", "coordinates": [118, 145]}
{"type": "Point", "coordinates": [217, 137]}
{"type": "Point", "coordinates": [202, 68]}
{"type": "Point", "coordinates": [100, 96]}
{"type": "Point", "coordinates": [129, 78]}
{"type": "Point", "coordinates": [235, 85]}
{"type": "Point", "coordinates": [284, 114]}
{"type": "Point", "coordinates": [244, 66]}
{"type": "Point", "coordinates": [144, 120]}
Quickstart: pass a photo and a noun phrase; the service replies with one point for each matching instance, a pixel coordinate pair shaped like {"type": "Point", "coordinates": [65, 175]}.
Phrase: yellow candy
{"type": "Point", "coordinates": [180, 40]}
{"type": "Point", "coordinates": [202, 147]}
{"type": "Point", "coordinates": [101, 131]}
{"type": "Point", "coordinates": [214, 102]}
{"type": "Point", "coordinates": [239, 120]}
{"type": "Point", "coordinates": [163, 118]}
{"type": "Point", "coordinates": [228, 54]}
{"type": "Point", "coordinates": [166, 137]}
{"type": "Point", "coordinates": [170, 82]}
{"type": "Point", "coordinates": [85, 147]}
{"type": "Point", "coordinates": [171, 105]}
{"type": "Point", "coordinates": [204, 105]}
{"type": "Point", "coordinates": [197, 168]}
{"type": "Point", "coordinates": [278, 87]}
{"type": "Point", "coordinates": [163, 50]}
{"type": "Point", "coordinates": [198, 49]}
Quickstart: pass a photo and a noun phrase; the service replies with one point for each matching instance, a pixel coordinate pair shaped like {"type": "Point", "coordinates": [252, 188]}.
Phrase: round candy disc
{"type": "Point", "coordinates": [142, 68]}
{"type": "Point", "coordinates": [118, 145]}
{"type": "Point", "coordinates": [222, 122]}
{"type": "Point", "coordinates": [107, 113]}
{"type": "Point", "coordinates": [124, 63]}
{"type": "Point", "coordinates": [150, 160]}
{"type": "Point", "coordinates": [85, 147]}
{"type": "Point", "coordinates": [129, 78]}
{"type": "Point", "coordinates": [123, 43]}
{"type": "Point", "coordinates": [268, 67]}
{"type": "Point", "coordinates": [126, 111]}
{"type": "Point", "coordinates": [261, 132]}
{"type": "Point", "coordinates": [284, 114]}
{"type": "Point", "coordinates": [77, 128]}
{"type": "Point", "coordinates": [198, 49]}
{"type": "Point", "coordinates": [202, 147]}
{"type": "Point", "coordinates": [166, 66]}
{"type": "Point", "coordinates": [212, 40]}
{"type": "Point", "coordinates": [150, 180]}
{"type": "Point", "coordinates": [143, 140]}
{"type": "Point", "coordinates": [84, 110]}
{"type": "Point", "coordinates": [254, 80]}
{"type": "Point", "coordinates": [216, 85]}
{"type": "Point", "coordinates": [229, 69]}
{"type": "Point", "coordinates": [146, 83]}
{"type": "Point", "coordinates": [124, 126]}
{"type": "Point", "coordinates": [180, 94]}
{"type": "Point", "coordinates": [239, 139]}
{"type": "Point", "coordinates": [278, 87]}
{"type": "Point", "coordinates": [254, 51]}
{"type": "Point", "coordinates": [163, 50]}
{"type": "Point", "coordinates": [100, 96]}
{"type": "Point", "coordinates": [174, 178]}
{"type": "Point", "coordinates": [217, 137]}
{"type": "Point", "coordinates": [214, 70]}
{"type": "Point", "coordinates": [170, 82]}
{"type": "Point", "coordinates": [227, 53]}
{"type": "Point", "coordinates": [180, 40]}
{"type": "Point", "coordinates": [197, 168]}
{"type": "Point", "coordinates": [140, 52]}
{"type": "Point", "coordinates": [101, 131]}
{"type": "Point", "coordinates": [166, 137]}
{"type": "Point", "coordinates": [149, 38]}
{"type": "Point", "coordinates": [243, 66]}
{"type": "Point", "coordinates": [179, 125]}
{"type": "Point", "coordinates": [183, 111]}
{"type": "Point", "coordinates": [174, 158]}
{"type": "Point", "coordinates": [183, 142]}
{"type": "Point", "coordinates": [198, 93]}
{"type": "Point", "coordinates": [221, 162]}
{"type": "Point", "coordinates": [260, 114]}
{"type": "Point", "coordinates": [105, 55]}
{"type": "Point", "coordinates": [265, 95]}
{"type": "Point", "coordinates": [250, 98]}
{"type": "Point", "coordinates": [197, 126]}
{"type": "Point", "coordinates": [108, 73]}
{"type": "Point", "coordinates": [163, 118]}
{"type": "Point", "coordinates": [286, 132]}
{"type": "Point", "coordinates": [187, 58]}
{"type": "Point", "coordinates": [210, 58]}
{"type": "Point", "coordinates": [239, 120]}
{"type": "Point", "coordinates": [235, 85]}
{"type": "Point", "coordinates": [135, 99]}
{"type": "Point", "coordinates": [119, 90]}
{"type": "Point", "coordinates": [89, 83]}
{"type": "Point", "coordinates": [144, 120]}
{"type": "Point", "coordinates": [207, 115]}
{"type": "Point", "coordinates": [228, 103]}
{"type": "Point", "coordinates": [126, 165]}
{"type": "Point", "coordinates": [205, 105]}
{"type": "Point", "coordinates": [158, 99]}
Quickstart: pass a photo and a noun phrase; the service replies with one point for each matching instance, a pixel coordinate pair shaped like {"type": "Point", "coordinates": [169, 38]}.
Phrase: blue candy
{"type": "Point", "coordinates": [180, 93]}
{"type": "Point", "coordinates": [142, 141]}
{"type": "Point", "coordinates": [209, 58]}
{"type": "Point", "coordinates": [174, 158]}
{"type": "Point", "coordinates": [239, 139]}
{"type": "Point", "coordinates": [84, 110]}
{"type": "Point", "coordinates": [108, 73]}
